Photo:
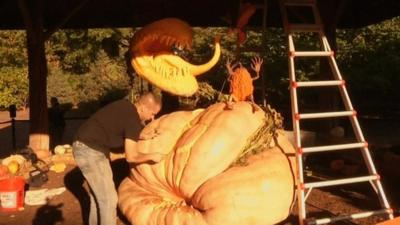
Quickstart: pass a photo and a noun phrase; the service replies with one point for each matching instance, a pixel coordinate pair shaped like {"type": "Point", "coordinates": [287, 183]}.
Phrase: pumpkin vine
{"type": "Point", "coordinates": [262, 137]}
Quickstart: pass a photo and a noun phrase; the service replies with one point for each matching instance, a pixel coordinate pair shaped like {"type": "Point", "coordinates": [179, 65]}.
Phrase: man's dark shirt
{"type": "Point", "coordinates": [106, 130]}
{"type": "Point", "coordinates": [56, 117]}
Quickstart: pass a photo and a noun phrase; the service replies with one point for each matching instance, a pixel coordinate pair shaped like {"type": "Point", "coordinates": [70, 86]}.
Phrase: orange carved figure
{"type": "Point", "coordinates": [241, 82]}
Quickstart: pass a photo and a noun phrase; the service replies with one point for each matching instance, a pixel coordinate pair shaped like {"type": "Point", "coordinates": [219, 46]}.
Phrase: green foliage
{"type": "Point", "coordinates": [106, 81]}
{"type": "Point", "coordinates": [369, 59]}
{"type": "Point", "coordinates": [63, 86]}
{"type": "Point", "coordinates": [13, 87]}
{"type": "Point", "coordinates": [13, 52]}
{"type": "Point", "coordinates": [88, 66]}
{"type": "Point", "coordinates": [78, 49]}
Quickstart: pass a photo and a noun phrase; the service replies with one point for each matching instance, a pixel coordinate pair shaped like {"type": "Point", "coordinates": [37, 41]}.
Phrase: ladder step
{"type": "Point", "coordinates": [334, 147]}
{"type": "Point", "coordinates": [324, 114]}
{"type": "Point", "coordinates": [340, 181]}
{"type": "Point", "coordinates": [349, 217]}
{"type": "Point", "coordinates": [311, 53]}
{"type": "Point", "coordinates": [299, 2]}
{"type": "Point", "coordinates": [304, 28]}
{"type": "Point", "coordinates": [319, 83]}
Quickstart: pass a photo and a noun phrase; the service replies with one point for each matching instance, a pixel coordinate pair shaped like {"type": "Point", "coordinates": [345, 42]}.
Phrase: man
{"type": "Point", "coordinates": [56, 123]}
{"type": "Point", "coordinates": [114, 127]}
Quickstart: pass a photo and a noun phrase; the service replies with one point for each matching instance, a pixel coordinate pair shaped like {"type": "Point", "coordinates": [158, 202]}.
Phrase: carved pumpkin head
{"type": "Point", "coordinates": [222, 167]}
{"type": "Point", "coordinates": [153, 57]}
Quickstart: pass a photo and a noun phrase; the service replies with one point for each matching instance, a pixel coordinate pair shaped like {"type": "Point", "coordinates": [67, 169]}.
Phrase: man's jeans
{"type": "Point", "coordinates": [96, 169]}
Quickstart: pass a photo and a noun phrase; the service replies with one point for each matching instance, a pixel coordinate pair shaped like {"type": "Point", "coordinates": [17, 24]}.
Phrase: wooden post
{"type": "Point", "coordinates": [330, 12]}
{"type": "Point", "coordinates": [32, 14]}
{"type": "Point", "coordinates": [37, 67]}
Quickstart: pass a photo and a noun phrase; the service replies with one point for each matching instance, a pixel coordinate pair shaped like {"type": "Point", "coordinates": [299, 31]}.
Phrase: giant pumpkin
{"type": "Point", "coordinates": [221, 167]}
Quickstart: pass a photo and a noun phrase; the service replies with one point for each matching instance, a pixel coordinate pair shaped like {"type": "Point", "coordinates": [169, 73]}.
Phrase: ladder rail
{"type": "Point", "coordinates": [296, 126]}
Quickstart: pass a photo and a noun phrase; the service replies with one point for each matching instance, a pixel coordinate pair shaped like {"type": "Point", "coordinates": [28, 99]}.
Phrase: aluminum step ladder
{"type": "Point", "coordinates": [304, 189]}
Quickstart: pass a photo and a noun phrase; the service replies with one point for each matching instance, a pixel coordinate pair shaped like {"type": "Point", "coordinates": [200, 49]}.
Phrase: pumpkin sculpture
{"type": "Point", "coordinates": [222, 167]}
{"type": "Point", "coordinates": [240, 81]}
{"type": "Point", "coordinates": [153, 58]}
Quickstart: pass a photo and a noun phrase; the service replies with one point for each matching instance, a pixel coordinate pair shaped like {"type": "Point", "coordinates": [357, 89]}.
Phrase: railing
{"type": "Point", "coordinates": [13, 122]}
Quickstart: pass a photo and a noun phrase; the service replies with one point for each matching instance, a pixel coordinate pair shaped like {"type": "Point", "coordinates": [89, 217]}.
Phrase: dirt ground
{"type": "Point", "coordinates": [70, 207]}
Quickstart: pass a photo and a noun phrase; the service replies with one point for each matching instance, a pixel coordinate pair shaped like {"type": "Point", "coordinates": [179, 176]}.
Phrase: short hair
{"type": "Point", "coordinates": [54, 101]}
{"type": "Point", "coordinates": [149, 97]}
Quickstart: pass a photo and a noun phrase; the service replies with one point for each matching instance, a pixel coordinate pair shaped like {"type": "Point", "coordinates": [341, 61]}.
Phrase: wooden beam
{"type": "Point", "coordinates": [26, 15]}
{"type": "Point", "coordinates": [49, 32]}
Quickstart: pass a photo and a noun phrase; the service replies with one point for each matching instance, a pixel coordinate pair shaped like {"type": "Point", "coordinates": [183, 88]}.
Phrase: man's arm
{"type": "Point", "coordinates": [134, 156]}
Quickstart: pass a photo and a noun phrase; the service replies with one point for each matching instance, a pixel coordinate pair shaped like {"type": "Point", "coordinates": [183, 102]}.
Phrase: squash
{"type": "Point", "coordinates": [18, 158]}
{"type": "Point", "coordinates": [60, 150]}
{"type": "Point", "coordinates": [221, 167]}
{"type": "Point", "coordinates": [13, 166]}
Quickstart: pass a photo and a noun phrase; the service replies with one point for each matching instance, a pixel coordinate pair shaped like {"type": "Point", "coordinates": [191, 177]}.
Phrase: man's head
{"type": "Point", "coordinates": [148, 105]}
{"type": "Point", "coordinates": [53, 101]}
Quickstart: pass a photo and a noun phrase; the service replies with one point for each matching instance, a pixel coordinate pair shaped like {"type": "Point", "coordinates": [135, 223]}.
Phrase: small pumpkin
{"type": "Point", "coordinates": [60, 150]}
{"type": "Point", "coordinates": [58, 167]}
{"type": "Point", "coordinates": [68, 148]}
{"type": "Point", "coordinates": [18, 158]}
{"type": "Point", "coordinates": [13, 166]}
{"type": "Point", "coordinates": [220, 168]}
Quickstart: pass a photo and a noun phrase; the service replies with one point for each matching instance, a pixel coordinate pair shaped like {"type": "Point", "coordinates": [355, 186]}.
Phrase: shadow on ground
{"type": "Point", "coordinates": [48, 215]}
{"type": "Point", "coordinates": [76, 184]}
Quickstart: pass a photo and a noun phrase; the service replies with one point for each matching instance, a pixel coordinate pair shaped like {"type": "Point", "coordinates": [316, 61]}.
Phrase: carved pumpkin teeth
{"type": "Point", "coordinates": [153, 56]}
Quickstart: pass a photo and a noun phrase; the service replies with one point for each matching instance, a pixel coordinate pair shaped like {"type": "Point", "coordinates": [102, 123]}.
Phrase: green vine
{"type": "Point", "coordinates": [261, 139]}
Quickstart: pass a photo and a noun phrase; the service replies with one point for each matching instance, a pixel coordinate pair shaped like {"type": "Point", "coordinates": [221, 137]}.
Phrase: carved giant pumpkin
{"type": "Point", "coordinates": [153, 57]}
{"type": "Point", "coordinates": [222, 167]}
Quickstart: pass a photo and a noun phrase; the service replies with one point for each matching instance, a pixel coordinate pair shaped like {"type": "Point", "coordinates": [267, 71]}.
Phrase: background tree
{"type": "Point", "coordinates": [86, 68]}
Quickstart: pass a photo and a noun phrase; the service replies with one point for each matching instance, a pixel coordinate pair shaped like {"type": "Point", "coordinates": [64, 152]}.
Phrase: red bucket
{"type": "Point", "coordinates": [12, 192]}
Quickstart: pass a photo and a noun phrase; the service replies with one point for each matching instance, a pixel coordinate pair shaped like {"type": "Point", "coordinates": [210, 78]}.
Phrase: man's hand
{"type": "Point", "coordinates": [155, 157]}
{"type": "Point", "coordinates": [149, 134]}
{"type": "Point", "coordinates": [116, 156]}
{"type": "Point", "coordinates": [133, 154]}
{"type": "Point", "coordinates": [150, 158]}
